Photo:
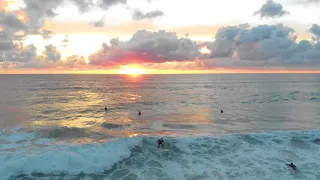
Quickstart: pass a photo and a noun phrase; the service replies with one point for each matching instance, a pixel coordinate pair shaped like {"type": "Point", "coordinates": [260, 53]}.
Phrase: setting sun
{"type": "Point", "coordinates": [132, 70]}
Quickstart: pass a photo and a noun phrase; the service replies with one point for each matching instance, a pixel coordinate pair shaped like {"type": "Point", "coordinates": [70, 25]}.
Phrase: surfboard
{"type": "Point", "coordinates": [164, 150]}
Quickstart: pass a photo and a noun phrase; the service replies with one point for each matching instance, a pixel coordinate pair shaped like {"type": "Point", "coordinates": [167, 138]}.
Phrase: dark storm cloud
{"type": "Point", "coordinates": [138, 15]}
{"type": "Point", "coordinates": [271, 9]}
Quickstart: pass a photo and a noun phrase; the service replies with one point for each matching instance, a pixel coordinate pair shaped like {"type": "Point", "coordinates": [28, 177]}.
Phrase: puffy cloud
{"type": "Point", "coordinates": [271, 9]}
{"type": "Point", "coordinates": [261, 45]}
{"type": "Point", "coordinates": [276, 47]}
{"type": "Point", "coordinates": [138, 15]}
{"type": "Point", "coordinates": [225, 41]}
{"type": "Point", "coordinates": [315, 30]}
{"type": "Point", "coordinates": [74, 61]}
{"type": "Point", "coordinates": [145, 46]}
{"type": "Point", "coordinates": [51, 53]}
{"type": "Point", "coordinates": [20, 54]}
{"type": "Point", "coordinates": [240, 45]}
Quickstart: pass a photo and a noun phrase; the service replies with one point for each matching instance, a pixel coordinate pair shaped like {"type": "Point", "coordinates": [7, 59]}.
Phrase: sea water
{"type": "Point", "coordinates": [55, 126]}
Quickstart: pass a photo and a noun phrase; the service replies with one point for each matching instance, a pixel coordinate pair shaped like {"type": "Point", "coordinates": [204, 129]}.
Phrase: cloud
{"type": "Point", "coordinates": [36, 11]}
{"type": "Point", "coordinates": [106, 4]}
{"type": "Point", "coordinates": [83, 5]}
{"type": "Point", "coordinates": [146, 46]}
{"type": "Point", "coordinates": [138, 15]}
{"type": "Point", "coordinates": [20, 54]}
{"type": "Point", "coordinates": [268, 45]}
{"type": "Point", "coordinates": [275, 45]}
{"type": "Point", "coordinates": [6, 41]}
{"type": "Point", "coordinates": [99, 23]}
{"type": "Point", "coordinates": [51, 53]}
{"type": "Point", "coordinates": [11, 21]}
{"type": "Point", "coordinates": [225, 42]}
{"type": "Point", "coordinates": [15, 25]}
{"type": "Point", "coordinates": [271, 9]}
{"type": "Point", "coordinates": [315, 31]}
{"type": "Point", "coordinates": [65, 41]}
{"type": "Point", "coordinates": [46, 34]}
{"type": "Point", "coordinates": [240, 45]}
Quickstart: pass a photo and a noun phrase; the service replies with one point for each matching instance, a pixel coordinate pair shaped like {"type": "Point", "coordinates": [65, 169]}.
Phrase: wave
{"type": "Point", "coordinates": [237, 156]}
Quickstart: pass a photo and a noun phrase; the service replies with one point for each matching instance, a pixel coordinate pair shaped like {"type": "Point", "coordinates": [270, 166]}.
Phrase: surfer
{"type": "Point", "coordinates": [294, 167]}
{"type": "Point", "coordinates": [160, 141]}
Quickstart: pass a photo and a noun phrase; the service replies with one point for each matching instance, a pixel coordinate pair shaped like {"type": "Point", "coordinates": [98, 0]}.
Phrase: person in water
{"type": "Point", "coordinates": [105, 109]}
{"type": "Point", "coordinates": [139, 113]}
{"type": "Point", "coordinates": [221, 111]}
{"type": "Point", "coordinates": [160, 141]}
{"type": "Point", "coordinates": [294, 167]}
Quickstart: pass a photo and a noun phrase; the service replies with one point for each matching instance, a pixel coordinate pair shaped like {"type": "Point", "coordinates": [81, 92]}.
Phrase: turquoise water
{"type": "Point", "coordinates": [55, 127]}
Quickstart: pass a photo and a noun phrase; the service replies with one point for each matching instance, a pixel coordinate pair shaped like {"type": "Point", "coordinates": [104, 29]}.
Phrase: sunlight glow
{"type": "Point", "coordinates": [22, 16]}
{"type": "Point", "coordinates": [9, 6]}
{"type": "Point", "coordinates": [205, 50]}
{"type": "Point", "coordinates": [132, 70]}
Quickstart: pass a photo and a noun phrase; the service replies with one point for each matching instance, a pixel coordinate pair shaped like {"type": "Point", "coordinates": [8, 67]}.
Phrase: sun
{"type": "Point", "coordinates": [132, 70]}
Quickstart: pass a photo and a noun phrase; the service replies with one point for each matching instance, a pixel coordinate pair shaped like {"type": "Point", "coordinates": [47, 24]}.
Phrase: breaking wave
{"type": "Point", "coordinates": [237, 156]}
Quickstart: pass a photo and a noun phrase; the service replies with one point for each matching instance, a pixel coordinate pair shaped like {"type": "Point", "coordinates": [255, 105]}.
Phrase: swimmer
{"type": "Point", "coordinates": [105, 109]}
{"type": "Point", "coordinates": [160, 141]}
{"type": "Point", "coordinates": [221, 111]}
{"type": "Point", "coordinates": [139, 113]}
{"type": "Point", "coordinates": [294, 167]}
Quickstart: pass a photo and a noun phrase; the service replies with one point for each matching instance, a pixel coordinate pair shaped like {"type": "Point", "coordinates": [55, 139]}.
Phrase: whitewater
{"type": "Point", "coordinates": [54, 127]}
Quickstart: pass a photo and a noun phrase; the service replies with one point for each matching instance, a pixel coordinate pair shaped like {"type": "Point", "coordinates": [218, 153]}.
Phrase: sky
{"type": "Point", "coordinates": [159, 36]}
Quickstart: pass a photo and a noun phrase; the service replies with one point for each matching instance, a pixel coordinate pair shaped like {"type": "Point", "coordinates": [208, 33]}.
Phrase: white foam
{"type": "Point", "coordinates": [241, 157]}
{"type": "Point", "coordinates": [235, 157]}
{"type": "Point", "coordinates": [71, 159]}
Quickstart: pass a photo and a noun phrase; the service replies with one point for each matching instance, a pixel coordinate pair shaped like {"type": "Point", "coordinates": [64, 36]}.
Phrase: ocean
{"type": "Point", "coordinates": [55, 127]}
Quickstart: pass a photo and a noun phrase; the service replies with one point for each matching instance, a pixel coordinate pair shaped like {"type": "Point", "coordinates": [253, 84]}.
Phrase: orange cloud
{"type": "Point", "coordinates": [22, 16]}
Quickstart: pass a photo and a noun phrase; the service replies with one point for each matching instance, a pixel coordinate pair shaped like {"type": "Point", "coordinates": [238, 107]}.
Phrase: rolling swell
{"type": "Point", "coordinates": [234, 157]}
